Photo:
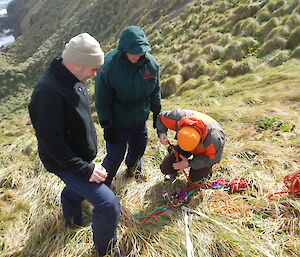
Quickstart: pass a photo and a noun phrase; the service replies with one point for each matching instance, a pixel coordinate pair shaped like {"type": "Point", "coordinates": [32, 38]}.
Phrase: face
{"type": "Point", "coordinates": [134, 58]}
{"type": "Point", "coordinates": [86, 72]}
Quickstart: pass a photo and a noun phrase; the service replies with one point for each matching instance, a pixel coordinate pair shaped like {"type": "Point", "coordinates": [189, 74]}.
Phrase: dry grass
{"type": "Point", "coordinates": [246, 224]}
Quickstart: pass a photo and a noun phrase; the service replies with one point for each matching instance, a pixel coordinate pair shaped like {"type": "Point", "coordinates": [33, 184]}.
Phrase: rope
{"type": "Point", "coordinates": [292, 182]}
{"type": "Point", "coordinates": [181, 198]}
{"type": "Point", "coordinates": [264, 251]}
{"type": "Point", "coordinates": [178, 199]}
{"type": "Point", "coordinates": [234, 186]}
{"type": "Point", "coordinates": [189, 245]}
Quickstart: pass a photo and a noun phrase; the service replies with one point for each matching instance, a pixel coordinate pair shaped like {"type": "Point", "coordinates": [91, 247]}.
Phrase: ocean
{"type": "Point", "coordinates": [3, 4]}
{"type": "Point", "coordinates": [6, 37]}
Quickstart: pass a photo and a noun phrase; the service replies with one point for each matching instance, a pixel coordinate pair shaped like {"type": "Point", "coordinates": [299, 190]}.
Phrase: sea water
{"type": "Point", "coordinates": [6, 36]}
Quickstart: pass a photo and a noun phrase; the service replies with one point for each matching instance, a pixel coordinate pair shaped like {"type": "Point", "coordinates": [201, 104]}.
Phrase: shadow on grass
{"type": "Point", "coordinates": [136, 236]}
{"type": "Point", "coordinates": [51, 237]}
{"type": "Point", "coordinates": [155, 203]}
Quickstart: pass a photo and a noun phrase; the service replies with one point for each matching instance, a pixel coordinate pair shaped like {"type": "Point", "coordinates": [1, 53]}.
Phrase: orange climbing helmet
{"type": "Point", "coordinates": [188, 138]}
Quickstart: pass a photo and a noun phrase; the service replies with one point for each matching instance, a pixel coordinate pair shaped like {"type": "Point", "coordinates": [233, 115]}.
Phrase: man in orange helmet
{"type": "Point", "coordinates": [198, 135]}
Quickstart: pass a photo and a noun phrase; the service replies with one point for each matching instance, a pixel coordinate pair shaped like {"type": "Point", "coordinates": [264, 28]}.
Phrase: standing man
{"type": "Point", "coordinates": [67, 142]}
{"type": "Point", "coordinates": [127, 88]}
{"type": "Point", "coordinates": [198, 135]}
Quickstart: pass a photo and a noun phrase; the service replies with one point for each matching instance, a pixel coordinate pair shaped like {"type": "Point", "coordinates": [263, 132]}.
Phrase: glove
{"type": "Point", "coordinates": [110, 136]}
{"type": "Point", "coordinates": [154, 119]}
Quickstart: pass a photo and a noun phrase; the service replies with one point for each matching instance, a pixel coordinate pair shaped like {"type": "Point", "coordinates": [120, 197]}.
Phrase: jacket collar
{"type": "Point", "coordinates": [68, 79]}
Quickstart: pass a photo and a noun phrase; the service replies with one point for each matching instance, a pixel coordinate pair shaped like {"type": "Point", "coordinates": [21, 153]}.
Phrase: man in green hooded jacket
{"type": "Point", "coordinates": [127, 88]}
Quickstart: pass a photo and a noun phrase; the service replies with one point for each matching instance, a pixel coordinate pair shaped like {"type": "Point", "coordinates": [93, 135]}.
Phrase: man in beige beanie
{"type": "Point", "coordinates": [67, 142]}
{"type": "Point", "coordinates": [83, 56]}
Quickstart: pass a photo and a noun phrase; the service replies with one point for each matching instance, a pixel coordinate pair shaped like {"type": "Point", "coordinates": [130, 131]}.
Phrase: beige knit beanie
{"type": "Point", "coordinates": [83, 50]}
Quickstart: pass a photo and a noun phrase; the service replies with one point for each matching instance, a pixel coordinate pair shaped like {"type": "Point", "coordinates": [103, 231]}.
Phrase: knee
{"type": "Point", "coordinates": [165, 169]}
{"type": "Point", "coordinates": [111, 206]}
{"type": "Point", "coordinates": [166, 166]}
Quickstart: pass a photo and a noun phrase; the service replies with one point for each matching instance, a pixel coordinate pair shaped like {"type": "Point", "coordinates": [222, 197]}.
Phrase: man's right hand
{"type": "Point", "coordinates": [163, 138]}
{"type": "Point", "coordinates": [99, 174]}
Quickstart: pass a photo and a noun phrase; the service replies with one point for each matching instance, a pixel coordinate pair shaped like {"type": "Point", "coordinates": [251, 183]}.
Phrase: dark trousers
{"type": "Point", "coordinates": [105, 212]}
{"type": "Point", "coordinates": [194, 174]}
{"type": "Point", "coordinates": [136, 140]}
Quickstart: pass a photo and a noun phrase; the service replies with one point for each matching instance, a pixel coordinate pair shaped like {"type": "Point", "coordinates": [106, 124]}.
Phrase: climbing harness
{"type": "Point", "coordinates": [292, 182]}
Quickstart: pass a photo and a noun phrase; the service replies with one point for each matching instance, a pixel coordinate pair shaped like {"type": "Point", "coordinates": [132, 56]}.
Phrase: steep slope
{"type": "Point", "coordinates": [195, 41]}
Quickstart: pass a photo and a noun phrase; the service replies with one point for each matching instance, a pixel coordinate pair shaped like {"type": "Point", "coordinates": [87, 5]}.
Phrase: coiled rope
{"type": "Point", "coordinates": [292, 182]}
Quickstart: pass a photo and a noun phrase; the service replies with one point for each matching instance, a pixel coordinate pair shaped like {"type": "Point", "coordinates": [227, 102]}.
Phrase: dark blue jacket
{"type": "Point", "coordinates": [60, 114]}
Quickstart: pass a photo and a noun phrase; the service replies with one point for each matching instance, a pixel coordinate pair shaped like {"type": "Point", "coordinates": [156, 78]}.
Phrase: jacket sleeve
{"type": "Point", "coordinates": [217, 139]}
{"type": "Point", "coordinates": [169, 119]}
{"type": "Point", "coordinates": [47, 115]}
{"type": "Point", "coordinates": [156, 96]}
{"type": "Point", "coordinates": [104, 99]}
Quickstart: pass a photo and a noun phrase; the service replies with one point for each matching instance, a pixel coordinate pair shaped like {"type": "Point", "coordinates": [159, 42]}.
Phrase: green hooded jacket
{"type": "Point", "coordinates": [126, 92]}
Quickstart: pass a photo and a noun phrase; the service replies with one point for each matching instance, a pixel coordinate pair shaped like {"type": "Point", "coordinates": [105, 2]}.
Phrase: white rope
{"type": "Point", "coordinates": [189, 245]}
{"type": "Point", "coordinates": [186, 210]}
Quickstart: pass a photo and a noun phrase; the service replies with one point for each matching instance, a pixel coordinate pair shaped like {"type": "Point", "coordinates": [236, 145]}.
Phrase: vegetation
{"type": "Point", "coordinates": [237, 61]}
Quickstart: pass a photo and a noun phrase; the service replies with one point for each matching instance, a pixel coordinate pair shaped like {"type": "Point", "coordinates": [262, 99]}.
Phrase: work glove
{"type": "Point", "coordinates": [110, 135]}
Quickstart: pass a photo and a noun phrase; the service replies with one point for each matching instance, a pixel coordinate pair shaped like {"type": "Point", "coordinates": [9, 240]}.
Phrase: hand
{"type": "Point", "coordinates": [110, 135]}
{"type": "Point", "coordinates": [99, 174]}
{"type": "Point", "coordinates": [184, 163]}
{"type": "Point", "coordinates": [163, 138]}
{"type": "Point", "coordinates": [154, 119]}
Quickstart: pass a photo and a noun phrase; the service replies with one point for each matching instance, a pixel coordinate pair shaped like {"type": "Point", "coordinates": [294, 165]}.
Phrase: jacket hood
{"type": "Point", "coordinates": [133, 41]}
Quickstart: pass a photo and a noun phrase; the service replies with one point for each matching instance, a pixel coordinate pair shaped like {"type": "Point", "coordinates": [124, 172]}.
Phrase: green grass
{"type": "Point", "coordinates": [251, 224]}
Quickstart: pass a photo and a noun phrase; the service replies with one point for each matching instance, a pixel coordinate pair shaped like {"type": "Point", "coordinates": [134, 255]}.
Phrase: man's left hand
{"type": "Point", "coordinates": [182, 164]}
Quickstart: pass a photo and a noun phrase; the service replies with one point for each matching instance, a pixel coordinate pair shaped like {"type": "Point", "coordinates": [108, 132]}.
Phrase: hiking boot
{"type": "Point", "coordinates": [70, 223]}
{"type": "Point", "coordinates": [117, 252]}
{"type": "Point", "coordinates": [135, 173]}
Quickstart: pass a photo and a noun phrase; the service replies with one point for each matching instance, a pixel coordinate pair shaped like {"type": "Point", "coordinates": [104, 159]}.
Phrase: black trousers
{"type": "Point", "coordinates": [194, 174]}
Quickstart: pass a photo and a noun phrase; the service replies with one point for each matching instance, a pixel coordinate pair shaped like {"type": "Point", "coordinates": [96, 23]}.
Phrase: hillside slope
{"type": "Point", "coordinates": [237, 61]}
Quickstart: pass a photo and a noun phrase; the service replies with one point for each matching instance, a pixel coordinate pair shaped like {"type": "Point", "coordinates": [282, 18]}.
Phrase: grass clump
{"type": "Point", "coordinates": [263, 15]}
{"type": "Point", "coordinates": [192, 84]}
{"type": "Point", "coordinates": [275, 124]}
{"type": "Point", "coordinates": [238, 48]}
{"type": "Point", "coordinates": [279, 58]}
{"type": "Point", "coordinates": [294, 38]}
{"type": "Point", "coordinates": [267, 27]}
{"type": "Point", "coordinates": [293, 21]}
{"type": "Point", "coordinates": [214, 51]}
{"type": "Point", "coordinates": [280, 31]}
{"type": "Point", "coordinates": [271, 45]}
{"type": "Point", "coordinates": [241, 12]}
{"type": "Point", "coordinates": [296, 52]}
{"type": "Point", "coordinates": [246, 27]}
{"type": "Point", "coordinates": [171, 67]}
{"type": "Point", "coordinates": [170, 85]}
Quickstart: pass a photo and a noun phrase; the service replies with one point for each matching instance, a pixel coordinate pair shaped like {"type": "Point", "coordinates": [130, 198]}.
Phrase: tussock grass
{"type": "Point", "coordinates": [245, 224]}
{"type": "Point", "coordinates": [190, 50]}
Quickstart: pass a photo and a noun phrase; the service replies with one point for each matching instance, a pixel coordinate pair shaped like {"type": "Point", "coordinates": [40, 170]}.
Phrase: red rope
{"type": "Point", "coordinates": [292, 182]}
{"type": "Point", "coordinates": [238, 185]}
